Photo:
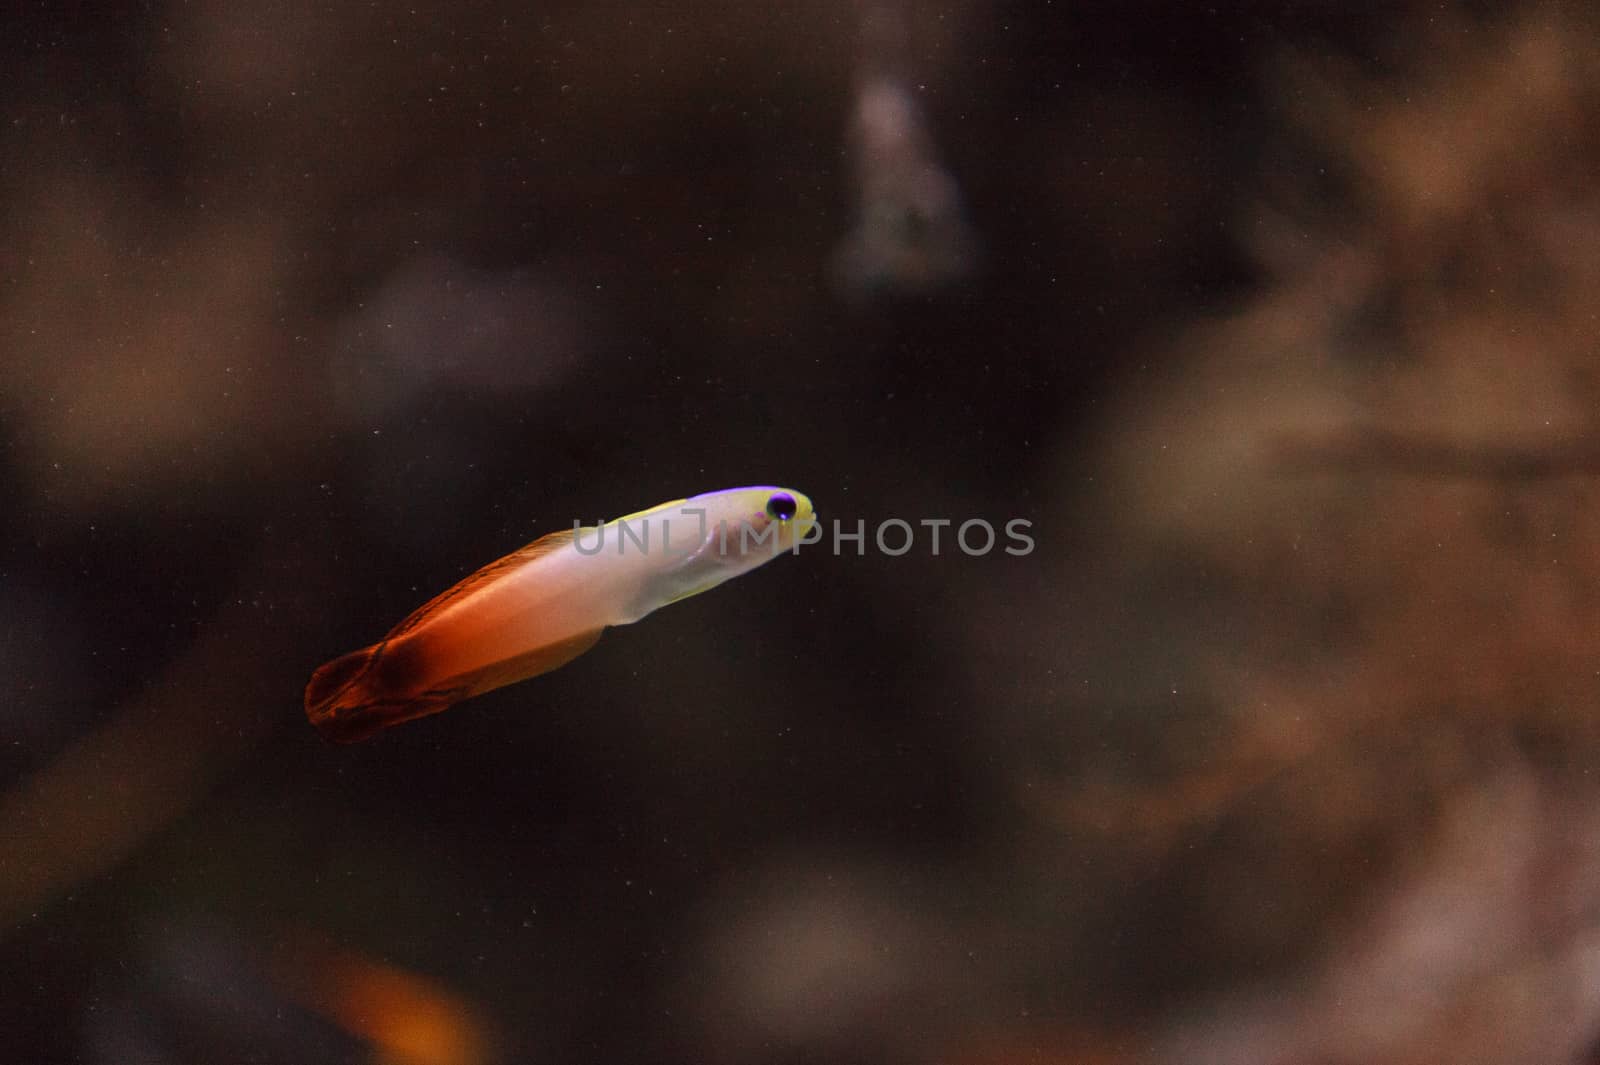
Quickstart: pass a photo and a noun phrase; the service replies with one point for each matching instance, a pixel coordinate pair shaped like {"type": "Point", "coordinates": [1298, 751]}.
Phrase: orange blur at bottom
{"type": "Point", "coordinates": [409, 1020]}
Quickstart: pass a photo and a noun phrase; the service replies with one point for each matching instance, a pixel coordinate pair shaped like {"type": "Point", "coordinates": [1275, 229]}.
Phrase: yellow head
{"type": "Point", "coordinates": [755, 523]}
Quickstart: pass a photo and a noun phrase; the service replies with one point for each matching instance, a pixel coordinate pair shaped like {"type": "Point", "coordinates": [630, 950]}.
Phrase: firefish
{"type": "Point", "coordinates": [540, 607]}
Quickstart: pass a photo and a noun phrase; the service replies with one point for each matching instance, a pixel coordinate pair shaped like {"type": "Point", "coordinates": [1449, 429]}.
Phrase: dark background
{"type": "Point", "coordinates": [1273, 318]}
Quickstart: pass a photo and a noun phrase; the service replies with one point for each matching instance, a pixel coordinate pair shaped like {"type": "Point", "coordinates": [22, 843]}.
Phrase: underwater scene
{"type": "Point", "coordinates": [865, 532]}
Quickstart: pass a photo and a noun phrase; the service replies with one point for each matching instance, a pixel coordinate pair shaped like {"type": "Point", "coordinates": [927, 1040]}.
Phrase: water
{"type": "Point", "coordinates": [1272, 327]}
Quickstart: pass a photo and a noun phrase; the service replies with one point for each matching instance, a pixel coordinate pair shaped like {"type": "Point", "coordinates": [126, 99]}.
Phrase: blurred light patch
{"type": "Point", "coordinates": [911, 233]}
{"type": "Point", "coordinates": [192, 987]}
{"type": "Point", "coordinates": [1489, 114]}
{"type": "Point", "coordinates": [435, 323]}
{"type": "Point", "coordinates": [818, 959]}
{"type": "Point", "coordinates": [101, 797]}
{"type": "Point", "coordinates": [143, 350]}
{"type": "Point", "coordinates": [1383, 839]}
{"type": "Point", "coordinates": [231, 60]}
{"type": "Point", "coordinates": [407, 1018]}
{"type": "Point", "coordinates": [1047, 1045]}
{"type": "Point", "coordinates": [1485, 952]}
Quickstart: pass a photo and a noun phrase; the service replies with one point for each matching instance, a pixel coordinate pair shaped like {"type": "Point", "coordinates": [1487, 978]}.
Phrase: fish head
{"type": "Point", "coordinates": [746, 526]}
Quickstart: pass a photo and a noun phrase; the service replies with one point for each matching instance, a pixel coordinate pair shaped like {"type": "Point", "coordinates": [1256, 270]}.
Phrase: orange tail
{"type": "Point", "coordinates": [355, 696]}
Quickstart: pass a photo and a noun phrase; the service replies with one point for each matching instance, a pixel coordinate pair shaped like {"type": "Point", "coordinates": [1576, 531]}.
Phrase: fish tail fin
{"type": "Point", "coordinates": [347, 699]}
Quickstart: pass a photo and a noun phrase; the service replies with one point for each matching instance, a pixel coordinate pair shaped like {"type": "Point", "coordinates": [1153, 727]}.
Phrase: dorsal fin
{"type": "Point", "coordinates": [540, 547]}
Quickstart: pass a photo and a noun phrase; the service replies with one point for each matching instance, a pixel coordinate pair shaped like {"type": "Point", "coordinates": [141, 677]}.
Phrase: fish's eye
{"type": "Point", "coordinates": [781, 505]}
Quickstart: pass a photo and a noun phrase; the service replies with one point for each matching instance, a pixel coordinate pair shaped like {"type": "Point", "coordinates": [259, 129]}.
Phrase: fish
{"type": "Point", "coordinates": [540, 607]}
